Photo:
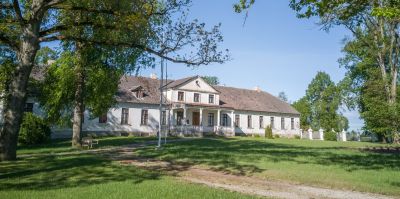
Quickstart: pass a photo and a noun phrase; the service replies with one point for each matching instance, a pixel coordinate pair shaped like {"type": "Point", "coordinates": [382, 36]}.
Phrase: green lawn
{"type": "Point", "coordinates": [91, 176]}
{"type": "Point", "coordinates": [321, 163]}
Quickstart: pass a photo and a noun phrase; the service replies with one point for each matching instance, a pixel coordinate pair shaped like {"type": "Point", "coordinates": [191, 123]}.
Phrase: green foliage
{"type": "Point", "coordinates": [243, 5]}
{"type": "Point", "coordinates": [277, 136]}
{"type": "Point", "coordinates": [297, 137]}
{"type": "Point", "coordinates": [330, 136]}
{"type": "Point", "coordinates": [212, 80]}
{"type": "Point", "coordinates": [304, 108]}
{"type": "Point", "coordinates": [367, 90]}
{"type": "Point", "coordinates": [319, 108]}
{"type": "Point", "coordinates": [371, 56]}
{"type": "Point", "coordinates": [34, 130]}
{"type": "Point", "coordinates": [59, 86]}
{"type": "Point", "coordinates": [44, 55]}
{"type": "Point", "coordinates": [268, 132]}
{"type": "Point", "coordinates": [282, 96]}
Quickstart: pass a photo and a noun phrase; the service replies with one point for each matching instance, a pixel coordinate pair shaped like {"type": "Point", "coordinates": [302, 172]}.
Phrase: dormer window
{"type": "Point", "coordinates": [139, 94]}
{"type": "Point", "coordinates": [180, 96]}
{"type": "Point", "coordinates": [196, 97]}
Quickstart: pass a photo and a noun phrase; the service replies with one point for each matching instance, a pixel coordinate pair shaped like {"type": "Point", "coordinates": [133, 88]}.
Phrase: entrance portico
{"type": "Point", "coordinates": [194, 119]}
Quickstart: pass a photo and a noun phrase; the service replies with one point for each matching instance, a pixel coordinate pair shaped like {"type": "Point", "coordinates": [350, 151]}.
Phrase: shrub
{"type": "Point", "coordinates": [277, 136]}
{"type": "Point", "coordinates": [330, 136]}
{"type": "Point", "coordinates": [268, 133]}
{"type": "Point", "coordinates": [34, 130]}
{"type": "Point", "coordinates": [297, 137]}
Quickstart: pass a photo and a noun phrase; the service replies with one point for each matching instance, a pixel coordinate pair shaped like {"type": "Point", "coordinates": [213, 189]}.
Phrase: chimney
{"type": "Point", "coordinates": [153, 76]}
{"type": "Point", "coordinates": [258, 89]}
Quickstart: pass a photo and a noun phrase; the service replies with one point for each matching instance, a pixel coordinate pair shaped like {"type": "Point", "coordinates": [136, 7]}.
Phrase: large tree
{"type": "Point", "coordinates": [319, 108]}
{"type": "Point", "coordinates": [25, 25]}
{"type": "Point", "coordinates": [375, 25]}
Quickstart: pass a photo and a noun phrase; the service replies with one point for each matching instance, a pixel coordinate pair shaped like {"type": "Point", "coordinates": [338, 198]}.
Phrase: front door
{"type": "Point", "coordinates": [196, 119]}
{"type": "Point", "coordinates": [179, 118]}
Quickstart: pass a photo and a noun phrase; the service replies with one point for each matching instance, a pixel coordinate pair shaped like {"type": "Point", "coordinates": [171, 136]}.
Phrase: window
{"type": "Point", "coordinates": [272, 122]}
{"type": "Point", "coordinates": [196, 97]}
{"type": "Point", "coordinates": [103, 118]}
{"type": "Point", "coordinates": [144, 117]}
{"type": "Point", "coordinates": [211, 99]}
{"type": "Point", "coordinates": [139, 93]}
{"type": "Point", "coordinates": [282, 123]}
{"type": "Point", "coordinates": [237, 120]}
{"type": "Point", "coordinates": [124, 116]}
{"type": "Point", "coordinates": [29, 107]}
{"type": "Point", "coordinates": [224, 119]}
{"type": "Point", "coordinates": [180, 96]}
{"type": "Point", "coordinates": [164, 118]}
{"type": "Point", "coordinates": [249, 122]}
{"type": "Point", "coordinates": [261, 119]}
{"type": "Point", "coordinates": [210, 119]}
{"type": "Point", "coordinates": [292, 123]}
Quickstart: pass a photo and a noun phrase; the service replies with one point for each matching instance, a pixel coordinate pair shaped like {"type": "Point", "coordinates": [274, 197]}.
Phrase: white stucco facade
{"type": "Point", "coordinates": [193, 107]}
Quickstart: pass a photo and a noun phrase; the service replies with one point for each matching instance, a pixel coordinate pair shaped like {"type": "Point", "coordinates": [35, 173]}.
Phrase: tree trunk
{"type": "Point", "coordinates": [79, 96]}
{"type": "Point", "coordinates": [15, 98]}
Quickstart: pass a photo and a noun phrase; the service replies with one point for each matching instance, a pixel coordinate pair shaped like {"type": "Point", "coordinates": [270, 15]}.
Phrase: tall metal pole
{"type": "Point", "coordinates": [166, 82]}
{"type": "Point", "coordinates": [161, 104]}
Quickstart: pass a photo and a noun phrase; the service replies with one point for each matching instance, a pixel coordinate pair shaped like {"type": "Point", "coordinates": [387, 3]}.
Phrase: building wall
{"type": "Point", "coordinates": [172, 95]}
{"type": "Point", "coordinates": [192, 87]}
{"type": "Point", "coordinates": [287, 131]}
{"type": "Point", "coordinates": [113, 124]}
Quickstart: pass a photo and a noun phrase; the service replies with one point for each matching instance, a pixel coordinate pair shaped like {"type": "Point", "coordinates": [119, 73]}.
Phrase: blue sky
{"type": "Point", "coordinates": [273, 50]}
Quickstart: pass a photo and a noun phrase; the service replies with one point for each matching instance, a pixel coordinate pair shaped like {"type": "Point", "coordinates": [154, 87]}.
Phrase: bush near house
{"type": "Point", "coordinates": [268, 133]}
{"type": "Point", "coordinates": [330, 136]}
{"type": "Point", "coordinates": [34, 130]}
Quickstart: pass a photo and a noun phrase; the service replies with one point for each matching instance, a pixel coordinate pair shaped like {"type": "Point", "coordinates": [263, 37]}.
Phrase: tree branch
{"type": "Point", "coordinates": [192, 61]}
{"type": "Point", "coordinates": [8, 41]}
{"type": "Point", "coordinates": [17, 10]}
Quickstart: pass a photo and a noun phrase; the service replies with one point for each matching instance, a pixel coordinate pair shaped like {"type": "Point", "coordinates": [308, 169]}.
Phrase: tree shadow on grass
{"type": "Point", "coordinates": [53, 172]}
{"type": "Point", "coordinates": [241, 156]}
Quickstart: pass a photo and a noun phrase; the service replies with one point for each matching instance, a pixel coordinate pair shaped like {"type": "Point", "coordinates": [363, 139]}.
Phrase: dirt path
{"type": "Point", "coordinates": [249, 185]}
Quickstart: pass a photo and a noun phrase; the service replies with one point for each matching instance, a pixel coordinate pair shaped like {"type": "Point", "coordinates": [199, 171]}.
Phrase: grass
{"type": "Point", "coordinates": [321, 163]}
{"type": "Point", "coordinates": [64, 145]}
{"type": "Point", "coordinates": [91, 176]}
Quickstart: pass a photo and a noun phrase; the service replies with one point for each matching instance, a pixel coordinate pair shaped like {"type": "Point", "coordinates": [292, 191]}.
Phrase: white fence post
{"type": "Point", "coordinates": [321, 134]}
{"type": "Point", "coordinates": [310, 133]}
{"type": "Point", "coordinates": [344, 136]}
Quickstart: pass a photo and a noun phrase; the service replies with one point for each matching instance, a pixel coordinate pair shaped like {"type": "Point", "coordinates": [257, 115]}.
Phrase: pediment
{"type": "Point", "coordinates": [198, 84]}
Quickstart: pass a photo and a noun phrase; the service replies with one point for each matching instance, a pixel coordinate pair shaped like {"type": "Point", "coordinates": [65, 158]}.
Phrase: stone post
{"type": "Point", "coordinates": [344, 136]}
{"type": "Point", "coordinates": [310, 133]}
{"type": "Point", "coordinates": [321, 134]}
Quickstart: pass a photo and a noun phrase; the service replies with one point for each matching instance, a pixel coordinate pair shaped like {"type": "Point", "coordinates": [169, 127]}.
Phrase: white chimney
{"type": "Point", "coordinates": [153, 76]}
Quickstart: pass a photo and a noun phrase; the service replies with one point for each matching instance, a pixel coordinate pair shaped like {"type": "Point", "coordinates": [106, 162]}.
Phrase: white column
{"type": "Point", "coordinates": [184, 115]}
{"type": "Point", "coordinates": [201, 116]}
{"type": "Point", "coordinates": [310, 134]}
{"type": "Point", "coordinates": [233, 122]}
{"type": "Point", "coordinates": [218, 118]}
{"type": "Point", "coordinates": [201, 119]}
{"type": "Point", "coordinates": [321, 134]}
{"type": "Point", "coordinates": [344, 136]}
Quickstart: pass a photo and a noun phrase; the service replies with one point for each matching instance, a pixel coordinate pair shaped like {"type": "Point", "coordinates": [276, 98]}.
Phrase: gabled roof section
{"type": "Point", "coordinates": [180, 82]}
{"type": "Point", "coordinates": [252, 100]}
{"type": "Point", "coordinates": [128, 84]}
{"type": "Point", "coordinates": [185, 82]}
